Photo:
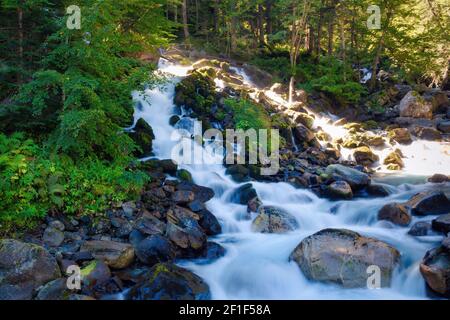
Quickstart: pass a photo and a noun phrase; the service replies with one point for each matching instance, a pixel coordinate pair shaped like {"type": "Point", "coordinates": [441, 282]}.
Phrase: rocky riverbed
{"type": "Point", "coordinates": [184, 219]}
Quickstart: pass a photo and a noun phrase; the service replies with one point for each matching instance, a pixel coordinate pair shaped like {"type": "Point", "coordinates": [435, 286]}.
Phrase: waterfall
{"type": "Point", "coordinates": [256, 265]}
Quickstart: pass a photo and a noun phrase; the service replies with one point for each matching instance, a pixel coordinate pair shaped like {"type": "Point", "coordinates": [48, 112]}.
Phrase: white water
{"type": "Point", "coordinates": [256, 265]}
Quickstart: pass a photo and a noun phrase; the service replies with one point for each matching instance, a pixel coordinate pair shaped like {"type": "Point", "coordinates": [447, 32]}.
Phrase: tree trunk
{"type": "Point", "coordinates": [319, 34]}
{"type": "Point", "coordinates": [20, 28]}
{"type": "Point", "coordinates": [197, 26]}
{"type": "Point", "coordinates": [269, 23]}
{"type": "Point", "coordinates": [330, 34]}
{"type": "Point", "coordinates": [376, 60]}
{"type": "Point", "coordinates": [262, 40]}
{"type": "Point", "coordinates": [343, 56]}
{"type": "Point", "coordinates": [185, 20]}
{"type": "Point", "coordinates": [175, 13]}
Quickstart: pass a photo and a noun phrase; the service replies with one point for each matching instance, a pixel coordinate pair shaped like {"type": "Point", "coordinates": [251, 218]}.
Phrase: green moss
{"type": "Point", "coordinates": [88, 269]}
{"type": "Point", "coordinates": [249, 115]}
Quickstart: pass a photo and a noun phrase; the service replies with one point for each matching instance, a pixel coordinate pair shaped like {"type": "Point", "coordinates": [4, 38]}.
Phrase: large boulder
{"type": "Point", "coordinates": [185, 232]}
{"type": "Point", "coordinates": [274, 220]}
{"type": "Point", "coordinates": [154, 249]}
{"type": "Point", "coordinates": [427, 133]}
{"type": "Point", "coordinates": [209, 223]}
{"type": "Point", "coordinates": [415, 106]}
{"type": "Point", "coordinates": [356, 179]}
{"type": "Point", "coordinates": [442, 223]}
{"type": "Point", "coordinates": [439, 178]}
{"type": "Point", "coordinates": [435, 268]}
{"type": "Point", "coordinates": [429, 203]}
{"type": "Point", "coordinates": [343, 256]}
{"type": "Point", "coordinates": [24, 267]}
{"type": "Point", "coordinates": [202, 194]}
{"type": "Point", "coordinates": [395, 213]}
{"type": "Point", "coordinates": [116, 255]}
{"type": "Point", "coordinates": [170, 282]}
{"type": "Point", "coordinates": [54, 290]}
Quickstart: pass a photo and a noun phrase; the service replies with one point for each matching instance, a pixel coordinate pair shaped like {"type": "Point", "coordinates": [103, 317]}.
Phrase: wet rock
{"type": "Point", "coordinates": [304, 119]}
{"type": "Point", "coordinates": [395, 213]}
{"type": "Point", "coordinates": [93, 274]}
{"type": "Point", "coordinates": [117, 255]}
{"type": "Point", "coordinates": [356, 179]}
{"type": "Point", "coordinates": [274, 220]}
{"type": "Point", "coordinates": [187, 234]}
{"type": "Point", "coordinates": [209, 223]}
{"type": "Point", "coordinates": [244, 194]}
{"type": "Point", "coordinates": [183, 197]}
{"type": "Point", "coordinates": [444, 126]}
{"type": "Point", "coordinates": [343, 257]}
{"type": "Point", "coordinates": [196, 206]}
{"type": "Point", "coordinates": [184, 175]}
{"type": "Point", "coordinates": [427, 133]}
{"type": "Point", "coordinates": [149, 225]}
{"type": "Point", "coordinates": [170, 282]}
{"type": "Point", "coordinates": [400, 135]}
{"type": "Point", "coordinates": [53, 237]}
{"type": "Point", "coordinates": [135, 237]}
{"type": "Point", "coordinates": [446, 243]}
{"type": "Point", "coordinates": [303, 134]}
{"type": "Point", "coordinates": [340, 190]}
{"type": "Point", "coordinates": [394, 160]}
{"type": "Point", "coordinates": [122, 227]}
{"type": "Point", "coordinates": [420, 229]}
{"type": "Point", "coordinates": [154, 249]}
{"type": "Point", "coordinates": [365, 156]}
{"type": "Point", "coordinates": [143, 136]}
{"type": "Point", "coordinates": [238, 172]}
{"type": "Point", "coordinates": [174, 120]}
{"type": "Point", "coordinates": [168, 166]}
{"type": "Point", "coordinates": [442, 223]}
{"type": "Point", "coordinates": [435, 268]}
{"type": "Point", "coordinates": [54, 290]}
{"type": "Point", "coordinates": [24, 267]}
{"type": "Point", "coordinates": [214, 251]}
{"type": "Point", "coordinates": [429, 203]}
{"type": "Point", "coordinates": [438, 178]}
{"type": "Point", "coordinates": [378, 190]}
{"type": "Point", "coordinates": [202, 194]}
{"type": "Point", "coordinates": [100, 226]}
{"type": "Point", "coordinates": [415, 106]}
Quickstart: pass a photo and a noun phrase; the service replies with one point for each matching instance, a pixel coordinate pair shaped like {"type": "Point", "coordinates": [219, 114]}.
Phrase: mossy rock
{"type": "Point", "coordinates": [143, 137]}
{"type": "Point", "coordinates": [305, 119]}
{"type": "Point", "coordinates": [184, 175]}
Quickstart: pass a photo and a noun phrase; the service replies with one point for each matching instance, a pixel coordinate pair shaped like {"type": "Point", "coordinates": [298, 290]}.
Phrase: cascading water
{"type": "Point", "coordinates": [256, 265]}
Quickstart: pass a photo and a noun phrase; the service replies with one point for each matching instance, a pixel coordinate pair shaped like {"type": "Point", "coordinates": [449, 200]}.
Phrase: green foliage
{"type": "Point", "coordinates": [248, 115]}
{"type": "Point", "coordinates": [32, 183]}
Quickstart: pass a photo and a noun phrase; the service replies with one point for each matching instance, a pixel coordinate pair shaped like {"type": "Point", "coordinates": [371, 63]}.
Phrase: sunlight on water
{"type": "Point", "coordinates": [256, 265]}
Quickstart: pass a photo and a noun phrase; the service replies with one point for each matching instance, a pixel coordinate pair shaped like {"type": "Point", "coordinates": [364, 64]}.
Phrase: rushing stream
{"type": "Point", "coordinates": [256, 265]}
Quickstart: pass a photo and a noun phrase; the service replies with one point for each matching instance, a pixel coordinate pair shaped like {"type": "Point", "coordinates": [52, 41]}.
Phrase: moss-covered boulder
{"type": "Point", "coordinates": [365, 156]}
{"type": "Point", "coordinates": [274, 220]}
{"type": "Point", "coordinates": [184, 175]}
{"type": "Point", "coordinates": [143, 136]}
{"type": "Point", "coordinates": [400, 135]}
{"type": "Point", "coordinates": [394, 160]}
{"type": "Point", "coordinates": [343, 257]}
{"type": "Point", "coordinates": [167, 281]}
{"type": "Point", "coordinates": [196, 92]}
{"type": "Point", "coordinates": [415, 106]}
